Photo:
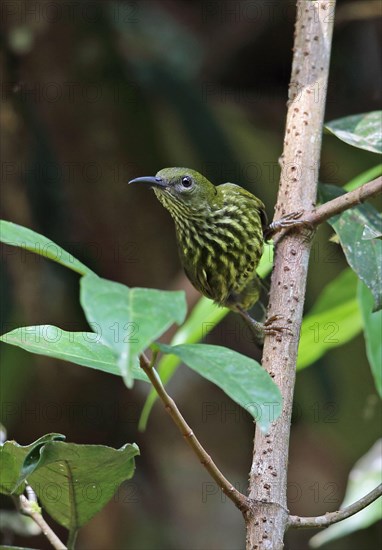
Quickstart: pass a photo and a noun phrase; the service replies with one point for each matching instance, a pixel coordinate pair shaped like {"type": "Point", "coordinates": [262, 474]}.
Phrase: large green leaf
{"type": "Point", "coordinates": [240, 377]}
{"type": "Point", "coordinates": [362, 131]}
{"type": "Point", "coordinates": [372, 332]}
{"type": "Point", "coordinates": [364, 255]}
{"type": "Point", "coordinates": [73, 482]}
{"type": "Point", "coordinates": [334, 319]}
{"type": "Point", "coordinates": [24, 238]}
{"type": "Point", "coordinates": [363, 478]}
{"type": "Point", "coordinates": [12, 457]}
{"type": "Point", "coordinates": [82, 348]}
{"type": "Point", "coordinates": [203, 318]}
{"type": "Point", "coordinates": [129, 319]}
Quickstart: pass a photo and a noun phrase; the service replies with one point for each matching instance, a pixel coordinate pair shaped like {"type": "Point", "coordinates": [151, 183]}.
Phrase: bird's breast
{"type": "Point", "coordinates": [220, 255]}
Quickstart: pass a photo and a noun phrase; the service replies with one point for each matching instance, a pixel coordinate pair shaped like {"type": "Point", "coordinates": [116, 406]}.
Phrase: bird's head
{"type": "Point", "coordinates": [181, 187]}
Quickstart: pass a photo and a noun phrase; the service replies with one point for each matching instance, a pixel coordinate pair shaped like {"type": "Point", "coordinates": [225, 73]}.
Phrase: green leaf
{"type": "Point", "coordinates": [364, 177]}
{"type": "Point", "coordinates": [334, 320]}
{"type": "Point", "coordinates": [81, 348]}
{"type": "Point", "coordinates": [203, 318]}
{"type": "Point", "coordinates": [363, 255]}
{"type": "Point", "coordinates": [12, 456]}
{"type": "Point", "coordinates": [74, 482]}
{"type": "Point", "coordinates": [240, 377]}
{"type": "Point", "coordinates": [363, 478]}
{"type": "Point", "coordinates": [338, 292]}
{"type": "Point", "coordinates": [362, 131]}
{"type": "Point", "coordinates": [372, 332]}
{"type": "Point", "coordinates": [371, 233]}
{"type": "Point", "coordinates": [129, 319]}
{"type": "Point", "coordinates": [22, 237]}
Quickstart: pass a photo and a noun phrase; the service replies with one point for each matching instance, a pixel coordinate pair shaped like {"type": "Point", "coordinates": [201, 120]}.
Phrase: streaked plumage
{"type": "Point", "coordinates": [219, 232]}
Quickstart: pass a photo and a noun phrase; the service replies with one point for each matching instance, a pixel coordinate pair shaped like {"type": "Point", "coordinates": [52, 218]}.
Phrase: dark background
{"type": "Point", "coordinates": [95, 93]}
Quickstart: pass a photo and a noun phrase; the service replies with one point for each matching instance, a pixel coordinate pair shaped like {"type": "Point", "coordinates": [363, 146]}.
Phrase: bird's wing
{"type": "Point", "coordinates": [228, 188]}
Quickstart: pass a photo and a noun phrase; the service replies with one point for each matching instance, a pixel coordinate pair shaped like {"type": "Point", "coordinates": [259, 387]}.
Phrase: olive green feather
{"type": "Point", "coordinates": [219, 231]}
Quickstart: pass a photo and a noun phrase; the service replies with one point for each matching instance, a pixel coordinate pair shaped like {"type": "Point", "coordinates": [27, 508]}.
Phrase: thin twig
{"type": "Point", "coordinates": [344, 202]}
{"type": "Point", "coordinates": [228, 489]}
{"type": "Point", "coordinates": [333, 517]}
{"type": "Point", "coordinates": [31, 509]}
{"type": "Point", "coordinates": [328, 209]}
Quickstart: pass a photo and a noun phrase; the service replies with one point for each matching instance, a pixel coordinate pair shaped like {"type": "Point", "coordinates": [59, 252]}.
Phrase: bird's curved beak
{"type": "Point", "coordinates": [153, 181]}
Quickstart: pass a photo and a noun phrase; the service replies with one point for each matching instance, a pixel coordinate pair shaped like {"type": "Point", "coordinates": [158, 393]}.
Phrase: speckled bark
{"type": "Point", "coordinates": [267, 520]}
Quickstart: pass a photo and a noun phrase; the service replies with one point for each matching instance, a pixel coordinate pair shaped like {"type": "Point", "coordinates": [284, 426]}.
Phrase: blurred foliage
{"type": "Point", "coordinates": [96, 93]}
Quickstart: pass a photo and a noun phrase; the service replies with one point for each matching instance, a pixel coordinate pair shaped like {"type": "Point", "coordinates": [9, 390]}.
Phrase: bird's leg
{"type": "Point", "coordinates": [294, 219]}
{"type": "Point", "coordinates": [260, 330]}
{"type": "Point", "coordinates": [256, 328]}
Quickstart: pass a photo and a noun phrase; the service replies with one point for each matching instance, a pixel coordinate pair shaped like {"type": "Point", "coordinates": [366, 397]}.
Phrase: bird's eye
{"type": "Point", "coordinates": [187, 182]}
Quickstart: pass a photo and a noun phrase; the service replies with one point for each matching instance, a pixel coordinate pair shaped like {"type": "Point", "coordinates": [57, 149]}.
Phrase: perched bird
{"type": "Point", "coordinates": [220, 235]}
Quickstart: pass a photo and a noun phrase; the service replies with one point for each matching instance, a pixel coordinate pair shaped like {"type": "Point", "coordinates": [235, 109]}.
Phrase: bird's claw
{"type": "Point", "coordinates": [293, 219]}
{"type": "Point", "coordinates": [268, 328]}
{"type": "Point", "coordinates": [272, 329]}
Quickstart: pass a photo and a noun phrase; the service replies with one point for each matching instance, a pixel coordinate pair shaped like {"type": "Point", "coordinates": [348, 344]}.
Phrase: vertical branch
{"type": "Point", "coordinates": [267, 520]}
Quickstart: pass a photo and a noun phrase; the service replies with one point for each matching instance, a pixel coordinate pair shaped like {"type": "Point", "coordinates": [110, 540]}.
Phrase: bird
{"type": "Point", "coordinates": [220, 236]}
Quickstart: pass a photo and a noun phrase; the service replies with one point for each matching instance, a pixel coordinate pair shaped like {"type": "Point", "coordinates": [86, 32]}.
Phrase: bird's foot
{"type": "Point", "coordinates": [294, 219]}
{"type": "Point", "coordinates": [271, 328]}
{"type": "Point", "coordinates": [268, 328]}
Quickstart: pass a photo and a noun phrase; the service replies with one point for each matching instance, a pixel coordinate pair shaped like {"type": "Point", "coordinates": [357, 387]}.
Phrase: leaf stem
{"type": "Point", "coordinates": [333, 517]}
{"type": "Point", "coordinates": [72, 539]}
{"type": "Point", "coordinates": [240, 500]}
